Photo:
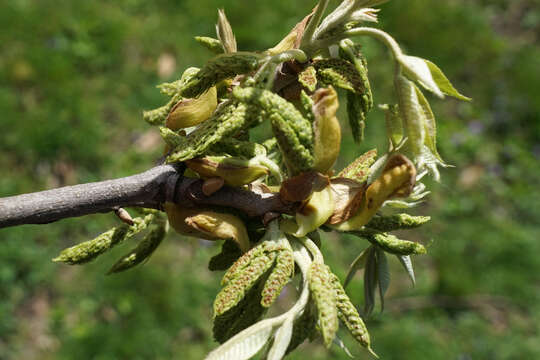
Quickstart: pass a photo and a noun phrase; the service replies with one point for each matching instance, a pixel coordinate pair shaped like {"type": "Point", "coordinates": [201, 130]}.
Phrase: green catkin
{"type": "Point", "coordinates": [307, 106]}
{"type": "Point", "coordinates": [235, 291]}
{"type": "Point", "coordinates": [304, 327]}
{"type": "Point", "coordinates": [280, 275]}
{"type": "Point", "coordinates": [325, 298]}
{"type": "Point", "coordinates": [274, 104]}
{"type": "Point", "coordinates": [174, 87]}
{"type": "Point", "coordinates": [247, 312]}
{"type": "Point", "coordinates": [158, 116]}
{"type": "Point", "coordinates": [308, 78]}
{"type": "Point", "coordinates": [142, 251]}
{"type": "Point", "coordinates": [240, 148]}
{"type": "Point", "coordinates": [214, 45]}
{"type": "Point", "coordinates": [349, 315]}
{"type": "Point", "coordinates": [297, 157]}
{"type": "Point", "coordinates": [339, 73]}
{"type": "Point", "coordinates": [358, 170]}
{"type": "Point", "coordinates": [396, 222]}
{"type": "Point", "coordinates": [239, 265]}
{"type": "Point", "coordinates": [171, 138]}
{"type": "Point", "coordinates": [220, 68]}
{"type": "Point", "coordinates": [89, 250]}
{"type": "Point", "coordinates": [229, 119]}
{"type": "Point", "coordinates": [226, 258]}
{"type": "Point", "coordinates": [360, 101]}
{"type": "Point", "coordinates": [392, 244]}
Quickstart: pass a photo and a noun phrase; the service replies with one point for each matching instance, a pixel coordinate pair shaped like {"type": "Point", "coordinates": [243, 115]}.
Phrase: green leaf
{"type": "Point", "coordinates": [383, 275]}
{"type": "Point", "coordinates": [356, 265]}
{"type": "Point", "coordinates": [430, 125]}
{"type": "Point", "coordinates": [281, 340]}
{"type": "Point", "coordinates": [370, 282]}
{"type": "Point", "coordinates": [405, 260]}
{"type": "Point", "coordinates": [417, 69]}
{"type": "Point", "coordinates": [444, 84]}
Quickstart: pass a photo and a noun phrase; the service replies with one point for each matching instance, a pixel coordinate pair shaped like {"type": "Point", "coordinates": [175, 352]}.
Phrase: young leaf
{"type": "Point", "coordinates": [356, 265]}
{"type": "Point", "coordinates": [417, 69]}
{"type": "Point", "coordinates": [282, 338]}
{"type": "Point", "coordinates": [370, 281]}
{"type": "Point", "coordinates": [245, 344]}
{"type": "Point", "coordinates": [383, 275]}
{"type": "Point", "coordinates": [444, 84]}
{"type": "Point", "coordinates": [405, 260]}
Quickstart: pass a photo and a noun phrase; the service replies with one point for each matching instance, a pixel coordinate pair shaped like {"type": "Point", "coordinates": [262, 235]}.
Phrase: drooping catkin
{"type": "Point", "coordinates": [89, 250]}
{"type": "Point", "coordinates": [393, 245]}
{"type": "Point", "coordinates": [229, 119]}
{"type": "Point", "coordinates": [142, 251]}
{"type": "Point", "coordinates": [396, 222]}
{"type": "Point", "coordinates": [220, 68]}
{"type": "Point", "coordinates": [325, 299]}
{"type": "Point", "coordinates": [235, 291]}
{"type": "Point", "coordinates": [349, 315]}
{"type": "Point", "coordinates": [280, 275]}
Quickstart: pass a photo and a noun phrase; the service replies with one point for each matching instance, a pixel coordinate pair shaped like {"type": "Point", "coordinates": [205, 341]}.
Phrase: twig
{"type": "Point", "coordinates": [149, 189]}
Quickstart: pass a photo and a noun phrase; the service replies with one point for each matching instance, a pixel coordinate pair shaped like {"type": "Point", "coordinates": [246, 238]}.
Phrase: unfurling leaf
{"type": "Point", "coordinates": [326, 129]}
{"type": "Point", "coordinates": [394, 124]}
{"type": "Point", "coordinates": [370, 281]}
{"type": "Point", "coordinates": [225, 33]}
{"type": "Point", "coordinates": [315, 212]}
{"type": "Point", "coordinates": [220, 226]}
{"type": "Point", "coordinates": [417, 69]}
{"type": "Point", "coordinates": [190, 112]}
{"type": "Point", "coordinates": [383, 275]}
{"type": "Point", "coordinates": [358, 263]}
{"type": "Point", "coordinates": [235, 171]}
{"type": "Point", "coordinates": [397, 180]}
{"type": "Point", "coordinates": [405, 260]}
{"type": "Point", "coordinates": [282, 338]}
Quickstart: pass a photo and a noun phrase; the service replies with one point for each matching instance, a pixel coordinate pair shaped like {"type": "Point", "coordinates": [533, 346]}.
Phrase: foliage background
{"type": "Point", "coordinates": [74, 78]}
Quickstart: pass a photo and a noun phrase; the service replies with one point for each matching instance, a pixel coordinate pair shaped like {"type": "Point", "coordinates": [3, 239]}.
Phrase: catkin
{"type": "Point", "coordinates": [349, 315]}
{"type": "Point", "coordinates": [228, 120]}
{"type": "Point", "coordinates": [358, 170]}
{"type": "Point", "coordinates": [142, 251]}
{"type": "Point", "coordinates": [235, 291]}
{"type": "Point", "coordinates": [89, 250]}
{"type": "Point", "coordinates": [279, 277]}
{"type": "Point", "coordinates": [220, 68]}
{"type": "Point", "coordinates": [325, 298]}
{"type": "Point", "coordinates": [393, 245]}
{"type": "Point", "coordinates": [396, 222]}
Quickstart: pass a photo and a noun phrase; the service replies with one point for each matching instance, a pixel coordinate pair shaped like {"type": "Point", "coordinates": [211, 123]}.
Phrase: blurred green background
{"type": "Point", "coordinates": [74, 79]}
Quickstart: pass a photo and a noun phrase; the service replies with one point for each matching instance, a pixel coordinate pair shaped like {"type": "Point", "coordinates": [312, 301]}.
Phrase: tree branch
{"type": "Point", "coordinates": [149, 189]}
